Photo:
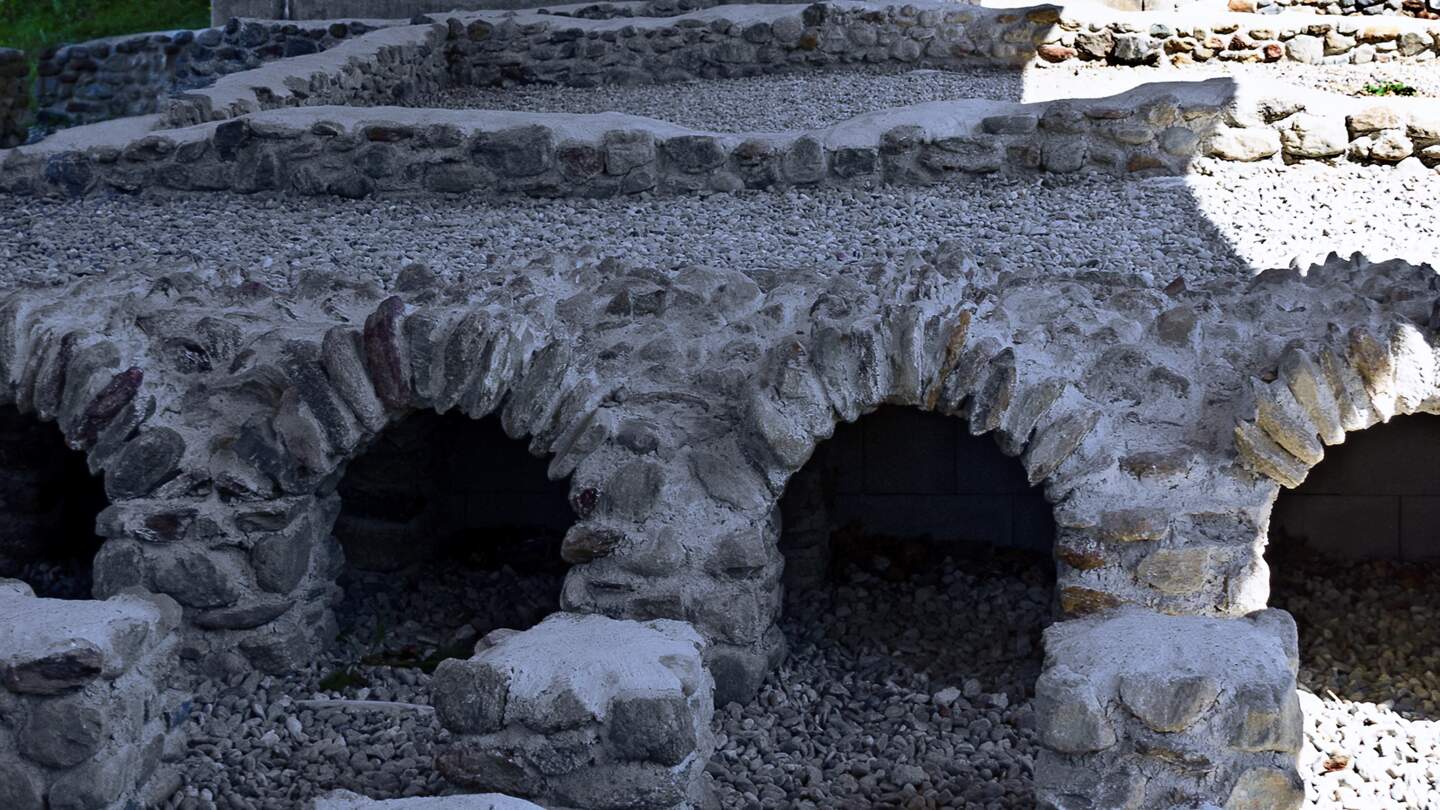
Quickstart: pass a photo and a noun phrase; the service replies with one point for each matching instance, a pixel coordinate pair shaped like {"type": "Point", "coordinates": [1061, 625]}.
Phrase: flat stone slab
{"type": "Point", "coordinates": [49, 646]}
{"type": "Point", "coordinates": [345, 800]}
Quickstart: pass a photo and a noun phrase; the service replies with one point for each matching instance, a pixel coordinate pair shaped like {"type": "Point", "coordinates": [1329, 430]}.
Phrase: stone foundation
{"type": "Point", "coordinates": [1159, 419]}
{"type": "Point", "coordinates": [582, 711]}
{"type": "Point", "coordinates": [84, 711]}
{"type": "Point", "coordinates": [340, 151]}
{"type": "Point", "coordinates": [1141, 710]}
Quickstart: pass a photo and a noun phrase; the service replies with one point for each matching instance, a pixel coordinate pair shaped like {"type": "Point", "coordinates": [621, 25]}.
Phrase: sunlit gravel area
{"type": "Point", "coordinates": [1369, 680]}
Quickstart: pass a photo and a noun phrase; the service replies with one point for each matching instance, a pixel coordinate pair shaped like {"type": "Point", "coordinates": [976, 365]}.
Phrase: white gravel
{"type": "Point", "coordinates": [1237, 220]}
{"type": "Point", "coordinates": [1369, 678]}
{"type": "Point", "coordinates": [821, 98]}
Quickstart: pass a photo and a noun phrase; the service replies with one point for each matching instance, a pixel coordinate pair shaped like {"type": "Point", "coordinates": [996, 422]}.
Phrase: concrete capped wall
{"type": "Point", "coordinates": [223, 10]}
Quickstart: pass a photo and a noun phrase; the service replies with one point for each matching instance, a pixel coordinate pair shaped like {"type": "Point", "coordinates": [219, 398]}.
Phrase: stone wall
{"type": "Point", "coordinates": [747, 40]}
{"type": "Point", "coordinates": [14, 98]}
{"type": "Point", "coordinates": [84, 709]}
{"type": "Point", "coordinates": [1425, 9]}
{"type": "Point", "coordinates": [124, 76]}
{"type": "Point", "coordinates": [385, 67]}
{"type": "Point", "coordinates": [349, 152]}
{"type": "Point", "coordinates": [1159, 420]}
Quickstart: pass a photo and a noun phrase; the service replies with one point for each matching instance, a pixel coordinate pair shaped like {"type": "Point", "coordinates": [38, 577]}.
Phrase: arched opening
{"type": "Point", "coordinates": [919, 578]}
{"type": "Point", "coordinates": [451, 530]}
{"type": "Point", "coordinates": [48, 505]}
{"type": "Point", "coordinates": [1352, 555]}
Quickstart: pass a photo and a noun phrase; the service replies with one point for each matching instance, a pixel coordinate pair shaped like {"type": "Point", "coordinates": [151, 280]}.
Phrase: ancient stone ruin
{"type": "Point", "coordinates": [591, 530]}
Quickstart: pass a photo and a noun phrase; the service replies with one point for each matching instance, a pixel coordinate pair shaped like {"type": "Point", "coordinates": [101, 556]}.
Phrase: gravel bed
{"type": "Point", "coordinates": [359, 719]}
{"type": "Point", "coordinates": [910, 694]}
{"type": "Point", "coordinates": [1224, 218]}
{"type": "Point", "coordinates": [801, 100]}
{"type": "Point", "coordinates": [822, 98]}
{"type": "Point", "coordinates": [1369, 678]}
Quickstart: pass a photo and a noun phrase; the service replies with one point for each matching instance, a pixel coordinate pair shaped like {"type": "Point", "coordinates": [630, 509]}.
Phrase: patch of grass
{"type": "Point", "coordinates": [34, 25]}
{"type": "Point", "coordinates": [1389, 89]}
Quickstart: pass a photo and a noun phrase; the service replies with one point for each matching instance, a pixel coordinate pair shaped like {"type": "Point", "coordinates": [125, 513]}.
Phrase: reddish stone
{"type": "Point", "coordinates": [1055, 52]}
{"type": "Point", "coordinates": [385, 357]}
{"type": "Point", "coordinates": [109, 402]}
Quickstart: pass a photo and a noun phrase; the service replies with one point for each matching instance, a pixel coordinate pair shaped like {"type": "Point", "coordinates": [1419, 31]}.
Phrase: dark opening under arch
{"type": "Point", "coordinates": [920, 575]}
{"type": "Point", "coordinates": [48, 505]}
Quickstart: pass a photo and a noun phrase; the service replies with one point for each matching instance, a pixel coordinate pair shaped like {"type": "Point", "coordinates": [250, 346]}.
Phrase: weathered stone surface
{"type": "Point", "coordinates": [1265, 789]}
{"type": "Point", "coordinates": [1171, 702]}
{"type": "Point", "coordinates": [146, 462]}
{"type": "Point", "coordinates": [1177, 571]}
{"type": "Point", "coordinates": [19, 788]}
{"type": "Point", "coordinates": [1244, 143]}
{"type": "Point", "coordinates": [64, 668]}
{"type": "Point", "coordinates": [1313, 136]}
{"type": "Point", "coordinates": [1072, 719]}
{"type": "Point", "coordinates": [653, 729]}
{"type": "Point", "coordinates": [62, 732]}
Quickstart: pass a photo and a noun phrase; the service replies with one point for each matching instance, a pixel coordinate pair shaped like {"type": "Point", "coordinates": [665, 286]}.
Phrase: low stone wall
{"type": "Point", "coordinates": [81, 684]}
{"type": "Point", "coordinates": [345, 800]}
{"type": "Point", "coordinates": [122, 76]}
{"type": "Point", "coordinates": [1425, 9]}
{"type": "Point", "coordinates": [582, 711]}
{"type": "Point", "coordinates": [732, 41]}
{"type": "Point", "coordinates": [1139, 709]}
{"type": "Point", "coordinates": [385, 67]}
{"type": "Point", "coordinates": [530, 47]}
{"type": "Point", "coordinates": [14, 98]}
{"type": "Point", "coordinates": [349, 152]}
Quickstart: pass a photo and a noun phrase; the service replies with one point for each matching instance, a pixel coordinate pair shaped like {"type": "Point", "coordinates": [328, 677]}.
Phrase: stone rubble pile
{"type": "Point", "coordinates": [86, 707]}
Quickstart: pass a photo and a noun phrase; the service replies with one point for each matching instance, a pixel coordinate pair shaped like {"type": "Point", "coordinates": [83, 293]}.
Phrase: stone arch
{"type": "Point", "coordinates": [50, 503]}
{"type": "Point", "coordinates": [1358, 379]}
{"type": "Point", "coordinates": [224, 434]}
{"type": "Point", "coordinates": [920, 343]}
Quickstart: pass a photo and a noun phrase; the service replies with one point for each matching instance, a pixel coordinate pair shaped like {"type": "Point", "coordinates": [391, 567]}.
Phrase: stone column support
{"type": "Point", "coordinates": [1141, 709]}
{"type": "Point", "coordinates": [256, 581]}
{"type": "Point", "coordinates": [581, 711]}
{"type": "Point", "coordinates": [84, 711]}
